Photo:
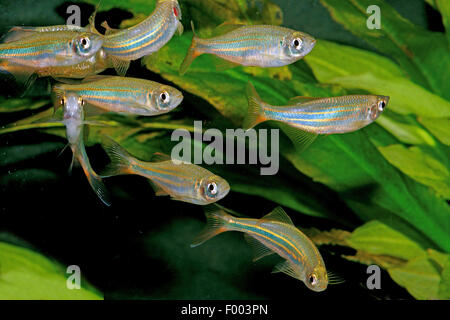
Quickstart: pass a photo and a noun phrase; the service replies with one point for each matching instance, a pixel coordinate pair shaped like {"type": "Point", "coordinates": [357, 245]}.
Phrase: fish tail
{"type": "Point", "coordinates": [255, 113]}
{"type": "Point", "coordinates": [94, 179]}
{"type": "Point", "coordinates": [216, 223]}
{"type": "Point", "coordinates": [192, 53]}
{"type": "Point", "coordinates": [120, 159]}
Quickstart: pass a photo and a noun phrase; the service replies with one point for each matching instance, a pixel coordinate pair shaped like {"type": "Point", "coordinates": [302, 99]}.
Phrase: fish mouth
{"type": "Point", "coordinates": [224, 189]}
{"type": "Point", "coordinates": [177, 99]}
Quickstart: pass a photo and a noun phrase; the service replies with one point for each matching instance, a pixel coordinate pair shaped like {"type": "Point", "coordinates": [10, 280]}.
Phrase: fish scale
{"type": "Point", "coordinates": [317, 115]}
{"type": "Point", "coordinates": [124, 95]}
{"type": "Point", "coordinates": [148, 36]}
{"type": "Point", "coordinates": [45, 49]}
{"type": "Point", "coordinates": [182, 181]}
{"type": "Point", "coordinates": [258, 45]}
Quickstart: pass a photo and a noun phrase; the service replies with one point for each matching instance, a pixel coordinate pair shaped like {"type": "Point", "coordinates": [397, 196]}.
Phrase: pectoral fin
{"type": "Point", "coordinates": [121, 66]}
{"type": "Point", "coordinates": [287, 268]}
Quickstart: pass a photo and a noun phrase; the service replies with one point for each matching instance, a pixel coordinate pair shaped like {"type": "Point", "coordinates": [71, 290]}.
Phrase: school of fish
{"type": "Point", "coordinates": [74, 56]}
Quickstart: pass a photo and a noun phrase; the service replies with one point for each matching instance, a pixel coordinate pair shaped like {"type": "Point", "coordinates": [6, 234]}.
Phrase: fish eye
{"type": "Point", "coordinates": [312, 279]}
{"type": "Point", "coordinates": [62, 101]}
{"type": "Point", "coordinates": [212, 188]}
{"type": "Point", "coordinates": [381, 106]}
{"type": "Point", "coordinates": [85, 42]}
{"type": "Point", "coordinates": [81, 102]}
{"type": "Point", "coordinates": [164, 96]}
{"type": "Point", "coordinates": [297, 43]}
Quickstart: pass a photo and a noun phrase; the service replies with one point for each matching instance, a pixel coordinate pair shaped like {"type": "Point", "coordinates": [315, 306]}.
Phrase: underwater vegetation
{"type": "Point", "coordinates": [379, 191]}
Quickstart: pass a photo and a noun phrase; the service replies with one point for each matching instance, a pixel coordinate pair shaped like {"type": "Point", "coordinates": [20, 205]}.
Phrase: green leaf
{"type": "Point", "coordinates": [28, 275]}
{"type": "Point", "coordinates": [444, 8]}
{"type": "Point", "coordinates": [331, 63]}
{"type": "Point", "coordinates": [420, 276]}
{"type": "Point", "coordinates": [406, 128]}
{"type": "Point", "coordinates": [439, 127]}
{"type": "Point", "coordinates": [420, 164]}
{"type": "Point", "coordinates": [13, 105]}
{"type": "Point", "coordinates": [378, 238]}
{"type": "Point", "coordinates": [421, 53]}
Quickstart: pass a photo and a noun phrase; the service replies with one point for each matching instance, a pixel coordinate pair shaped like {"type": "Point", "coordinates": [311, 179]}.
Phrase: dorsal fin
{"type": "Point", "coordinates": [108, 29]}
{"type": "Point", "coordinates": [95, 78]}
{"type": "Point", "coordinates": [278, 214]}
{"type": "Point", "coordinates": [226, 27]}
{"type": "Point", "coordinates": [300, 99]}
{"type": "Point", "coordinates": [160, 157]}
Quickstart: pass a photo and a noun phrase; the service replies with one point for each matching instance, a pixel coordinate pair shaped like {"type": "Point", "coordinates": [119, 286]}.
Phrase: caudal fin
{"type": "Point", "coordinates": [94, 179]}
{"type": "Point", "coordinates": [255, 113]}
{"type": "Point", "coordinates": [99, 187]}
{"type": "Point", "coordinates": [120, 159]}
{"type": "Point", "coordinates": [192, 53]}
{"type": "Point", "coordinates": [216, 223]}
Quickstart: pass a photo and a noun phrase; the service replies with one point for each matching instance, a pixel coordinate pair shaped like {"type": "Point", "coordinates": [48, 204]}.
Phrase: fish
{"type": "Point", "coordinates": [145, 38]}
{"type": "Point", "coordinates": [73, 119]}
{"type": "Point", "coordinates": [273, 233]}
{"type": "Point", "coordinates": [252, 45]}
{"type": "Point", "coordinates": [52, 48]}
{"type": "Point", "coordinates": [304, 118]}
{"type": "Point", "coordinates": [180, 180]}
{"type": "Point", "coordinates": [58, 51]}
{"type": "Point", "coordinates": [124, 95]}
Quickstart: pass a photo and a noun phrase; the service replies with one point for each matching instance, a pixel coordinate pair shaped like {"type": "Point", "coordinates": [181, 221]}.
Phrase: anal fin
{"type": "Point", "coordinates": [301, 139]}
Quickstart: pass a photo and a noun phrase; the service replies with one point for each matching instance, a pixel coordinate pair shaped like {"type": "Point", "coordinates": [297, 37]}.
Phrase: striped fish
{"type": "Point", "coordinates": [124, 95]}
{"type": "Point", "coordinates": [52, 48]}
{"type": "Point", "coordinates": [273, 233]}
{"type": "Point", "coordinates": [182, 181]}
{"type": "Point", "coordinates": [313, 116]}
{"type": "Point", "coordinates": [73, 119]}
{"type": "Point", "coordinates": [259, 45]}
{"type": "Point", "coordinates": [144, 38]}
{"type": "Point", "coordinates": [57, 51]}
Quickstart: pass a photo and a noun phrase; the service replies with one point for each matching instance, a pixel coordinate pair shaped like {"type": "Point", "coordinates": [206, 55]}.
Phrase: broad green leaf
{"type": "Point", "coordinates": [444, 286]}
{"type": "Point", "coordinates": [405, 96]}
{"type": "Point", "coordinates": [135, 6]}
{"type": "Point", "coordinates": [421, 165]}
{"type": "Point", "coordinates": [377, 238]}
{"type": "Point", "coordinates": [28, 275]}
{"type": "Point", "coordinates": [17, 104]}
{"type": "Point", "coordinates": [420, 276]}
{"type": "Point", "coordinates": [422, 54]}
{"type": "Point", "coordinates": [406, 128]}
{"type": "Point", "coordinates": [444, 8]}
{"type": "Point", "coordinates": [439, 127]}
{"type": "Point", "coordinates": [354, 68]}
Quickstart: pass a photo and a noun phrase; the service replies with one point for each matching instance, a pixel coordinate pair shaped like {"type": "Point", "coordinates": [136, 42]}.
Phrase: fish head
{"type": "Point", "coordinates": [317, 278]}
{"type": "Point", "coordinates": [376, 107]}
{"type": "Point", "coordinates": [176, 10]}
{"type": "Point", "coordinates": [165, 99]}
{"type": "Point", "coordinates": [86, 44]}
{"type": "Point", "coordinates": [298, 44]}
{"type": "Point", "coordinates": [213, 188]}
{"type": "Point", "coordinates": [72, 106]}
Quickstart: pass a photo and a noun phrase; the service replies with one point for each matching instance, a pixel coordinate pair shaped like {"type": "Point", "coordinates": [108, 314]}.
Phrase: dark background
{"type": "Point", "coordinates": [139, 247]}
